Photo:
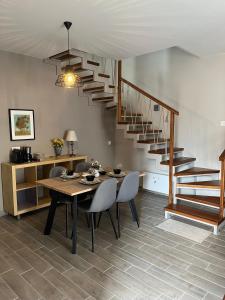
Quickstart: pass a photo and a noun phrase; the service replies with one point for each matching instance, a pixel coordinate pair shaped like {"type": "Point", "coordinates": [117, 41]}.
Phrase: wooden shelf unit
{"type": "Point", "coordinates": [21, 194]}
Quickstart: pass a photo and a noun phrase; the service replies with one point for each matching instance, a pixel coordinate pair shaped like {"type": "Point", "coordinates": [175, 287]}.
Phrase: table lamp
{"type": "Point", "coordinates": [71, 137]}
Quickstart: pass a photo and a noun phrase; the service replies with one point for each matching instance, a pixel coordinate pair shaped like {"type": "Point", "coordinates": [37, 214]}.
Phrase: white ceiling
{"type": "Point", "coordinates": [116, 28]}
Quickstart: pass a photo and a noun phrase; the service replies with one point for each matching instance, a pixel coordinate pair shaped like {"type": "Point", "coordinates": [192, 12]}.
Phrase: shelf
{"type": "Point", "coordinates": [44, 202]}
{"type": "Point", "coordinates": [25, 185]}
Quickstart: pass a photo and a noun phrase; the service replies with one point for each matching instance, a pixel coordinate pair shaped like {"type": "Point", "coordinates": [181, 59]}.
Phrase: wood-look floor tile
{"type": "Point", "coordinates": [7, 225]}
{"type": "Point", "coordinates": [129, 257]}
{"type": "Point", "coordinates": [34, 260]}
{"type": "Point", "coordinates": [191, 289]}
{"type": "Point", "coordinates": [11, 241]}
{"type": "Point", "coordinates": [90, 286]}
{"type": "Point", "coordinates": [4, 249]}
{"type": "Point", "coordinates": [19, 285]}
{"type": "Point", "coordinates": [148, 257]}
{"type": "Point", "coordinates": [155, 282]}
{"type": "Point", "coordinates": [110, 284]}
{"type": "Point", "coordinates": [66, 286]}
{"type": "Point", "coordinates": [108, 256]}
{"type": "Point", "coordinates": [28, 241]}
{"type": "Point", "coordinates": [216, 270]}
{"type": "Point", "coordinates": [6, 293]}
{"type": "Point", "coordinates": [74, 260]}
{"type": "Point", "coordinates": [53, 259]}
{"type": "Point", "coordinates": [47, 290]}
{"type": "Point", "coordinates": [184, 256]}
{"type": "Point", "coordinates": [200, 282]}
{"type": "Point", "coordinates": [142, 237]}
{"type": "Point", "coordinates": [17, 263]}
{"type": "Point", "coordinates": [4, 265]}
{"type": "Point", "coordinates": [135, 284]}
{"type": "Point", "coordinates": [165, 256]}
{"type": "Point", "coordinates": [207, 275]}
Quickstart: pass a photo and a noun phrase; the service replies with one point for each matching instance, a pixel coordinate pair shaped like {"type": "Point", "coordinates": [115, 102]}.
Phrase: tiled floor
{"type": "Point", "coordinates": [146, 263]}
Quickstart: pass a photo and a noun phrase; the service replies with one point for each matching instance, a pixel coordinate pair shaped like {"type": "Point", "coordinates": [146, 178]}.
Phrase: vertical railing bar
{"type": "Point", "coordinates": [159, 125]}
{"type": "Point", "coordinates": [222, 184]}
{"type": "Point", "coordinates": [170, 199]}
{"type": "Point", "coordinates": [119, 104]}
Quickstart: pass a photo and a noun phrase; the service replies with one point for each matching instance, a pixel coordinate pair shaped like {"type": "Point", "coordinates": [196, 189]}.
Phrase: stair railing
{"type": "Point", "coordinates": [146, 109]}
{"type": "Point", "coordinates": [222, 183]}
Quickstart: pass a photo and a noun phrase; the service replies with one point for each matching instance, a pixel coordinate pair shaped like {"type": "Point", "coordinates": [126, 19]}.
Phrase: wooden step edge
{"type": "Point", "coordinates": [163, 152]}
{"type": "Point", "coordinates": [103, 98]}
{"type": "Point", "coordinates": [144, 132]}
{"type": "Point", "coordinates": [111, 107]}
{"type": "Point", "coordinates": [152, 141]}
{"type": "Point", "coordinates": [103, 75]}
{"type": "Point", "coordinates": [94, 63]}
{"type": "Point", "coordinates": [194, 214]}
{"type": "Point", "coordinates": [135, 123]}
{"type": "Point", "coordinates": [210, 185]}
{"type": "Point", "coordinates": [178, 161]}
{"type": "Point", "coordinates": [93, 89]}
{"type": "Point", "coordinates": [210, 201]}
{"type": "Point", "coordinates": [63, 56]}
{"type": "Point", "coordinates": [112, 86]}
{"type": "Point", "coordinates": [196, 172]}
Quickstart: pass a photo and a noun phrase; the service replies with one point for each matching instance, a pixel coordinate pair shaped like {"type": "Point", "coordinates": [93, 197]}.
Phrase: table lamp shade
{"type": "Point", "coordinates": [71, 136]}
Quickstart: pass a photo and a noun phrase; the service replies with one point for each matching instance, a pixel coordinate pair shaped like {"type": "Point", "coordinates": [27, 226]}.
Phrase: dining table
{"type": "Point", "coordinates": [72, 188]}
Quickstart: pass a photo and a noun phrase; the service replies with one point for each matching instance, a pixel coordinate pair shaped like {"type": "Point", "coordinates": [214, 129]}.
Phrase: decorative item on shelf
{"type": "Point", "coordinates": [21, 123]}
{"type": "Point", "coordinates": [57, 144]}
{"type": "Point", "coordinates": [71, 138]}
{"type": "Point", "coordinates": [95, 164]}
{"type": "Point", "coordinates": [68, 78]}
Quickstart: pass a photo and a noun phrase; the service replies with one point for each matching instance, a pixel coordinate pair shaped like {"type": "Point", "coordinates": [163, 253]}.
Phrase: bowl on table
{"type": "Point", "coordinates": [117, 171]}
{"type": "Point", "coordinates": [90, 177]}
{"type": "Point", "coordinates": [102, 172]}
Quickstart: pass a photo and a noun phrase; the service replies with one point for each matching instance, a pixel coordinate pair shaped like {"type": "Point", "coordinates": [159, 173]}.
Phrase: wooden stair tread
{"type": "Point", "coordinates": [62, 56]}
{"type": "Point", "coordinates": [103, 75]}
{"type": "Point", "coordinates": [152, 141]}
{"type": "Point", "coordinates": [110, 98]}
{"type": "Point", "coordinates": [96, 88]}
{"type": "Point", "coordinates": [200, 199]}
{"type": "Point", "coordinates": [195, 214]}
{"type": "Point", "coordinates": [165, 150]}
{"type": "Point", "coordinates": [178, 161]}
{"type": "Point", "coordinates": [196, 171]}
{"type": "Point", "coordinates": [143, 132]}
{"type": "Point", "coordinates": [211, 184]}
{"type": "Point", "coordinates": [134, 123]}
{"type": "Point", "coordinates": [91, 62]}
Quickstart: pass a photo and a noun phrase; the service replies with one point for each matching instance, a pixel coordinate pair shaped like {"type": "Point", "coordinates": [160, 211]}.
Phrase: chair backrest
{"type": "Point", "coordinates": [129, 187]}
{"type": "Point", "coordinates": [105, 196]}
{"type": "Point", "coordinates": [82, 167]}
{"type": "Point", "coordinates": [56, 171]}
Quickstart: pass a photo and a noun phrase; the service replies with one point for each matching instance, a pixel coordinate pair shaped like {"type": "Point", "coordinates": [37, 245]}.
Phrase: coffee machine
{"type": "Point", "coordinates": [21, 155]}
{"type": "Point", "coordinates": [27, 155]}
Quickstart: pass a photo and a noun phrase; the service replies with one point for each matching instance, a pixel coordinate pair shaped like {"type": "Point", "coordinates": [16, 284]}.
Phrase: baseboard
{"type": "Point", "coordinates": [154, 192]}
{"type": "Point", "coordinates": [2, 213]}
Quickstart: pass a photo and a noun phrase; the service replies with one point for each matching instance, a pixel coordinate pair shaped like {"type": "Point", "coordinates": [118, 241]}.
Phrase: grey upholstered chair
{"type": "Point", "coordinates": [104, 198]}
{"type": "Point", "coordinates": [82, 167]}
{"type": "Point", "coordinates": [127, 193]}
{"type": "Point", "coordinates": [56, 172]}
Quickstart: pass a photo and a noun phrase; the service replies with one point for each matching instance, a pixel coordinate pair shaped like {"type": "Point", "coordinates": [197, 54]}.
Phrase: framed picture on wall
{"type": "Point", "coordinates": [21, 124]}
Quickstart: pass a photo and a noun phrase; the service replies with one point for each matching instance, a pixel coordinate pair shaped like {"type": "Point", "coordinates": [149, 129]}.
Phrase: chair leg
{"type": "Point", "coordinates": [132, 210]}
{"type": "Point", "coordinates": [87, 219]}
{"type": "Point", "coordinates": [99, 219]}
{"type": "Point", "coordinates": [95, 222]}
{"type": "Point", "coordinates": [67, 218]}
{"type": "Point", "coordinates": [135, 214]}
{"type": "Point", "coordinates": [118, 218]}
{"type": "Point", "coordinates": [113, 225]}
{"type": "Point", "coordinates": [92, 232]}
{"type": "Point", "coordinates": [71, 209]}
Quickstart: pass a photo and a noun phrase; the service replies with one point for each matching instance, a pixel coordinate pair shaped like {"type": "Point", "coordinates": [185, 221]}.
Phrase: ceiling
{"type": "Point", "coordinates": [115, 28]}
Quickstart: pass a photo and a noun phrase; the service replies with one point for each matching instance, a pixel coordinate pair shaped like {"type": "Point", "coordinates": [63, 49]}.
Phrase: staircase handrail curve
{"type": "Point", "coordinates": [149, 96]}
{"type": "Point", "coordinates": [222, 156]}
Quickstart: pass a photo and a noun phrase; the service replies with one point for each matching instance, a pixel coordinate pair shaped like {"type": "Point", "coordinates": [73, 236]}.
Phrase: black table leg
{"type": "Point", "coordinates": [51, 214]}
{"type": "Point", "coordinates": [74, 229]}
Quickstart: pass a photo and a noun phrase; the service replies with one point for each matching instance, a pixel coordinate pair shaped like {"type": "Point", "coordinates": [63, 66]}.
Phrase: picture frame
{"type": "Point", "coordinates": [21, 124]}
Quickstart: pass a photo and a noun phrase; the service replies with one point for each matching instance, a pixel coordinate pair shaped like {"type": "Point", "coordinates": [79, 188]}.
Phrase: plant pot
{"type": "Point", "coordinates": [58, 151]}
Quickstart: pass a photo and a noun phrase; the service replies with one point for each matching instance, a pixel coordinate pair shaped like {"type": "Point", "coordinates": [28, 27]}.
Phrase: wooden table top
{"type": "Point", "coordinates": [72, 187]}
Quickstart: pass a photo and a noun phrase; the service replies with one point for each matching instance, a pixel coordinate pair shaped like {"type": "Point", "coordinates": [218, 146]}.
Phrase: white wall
{"type": "Point", "coordinates": [192, 85]}
{"type": "Point", "coordinates": [28, 83]}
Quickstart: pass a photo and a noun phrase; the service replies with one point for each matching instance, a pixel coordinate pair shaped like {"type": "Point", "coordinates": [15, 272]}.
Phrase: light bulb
{"type": "Point", "coordinates": [70, 79]}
